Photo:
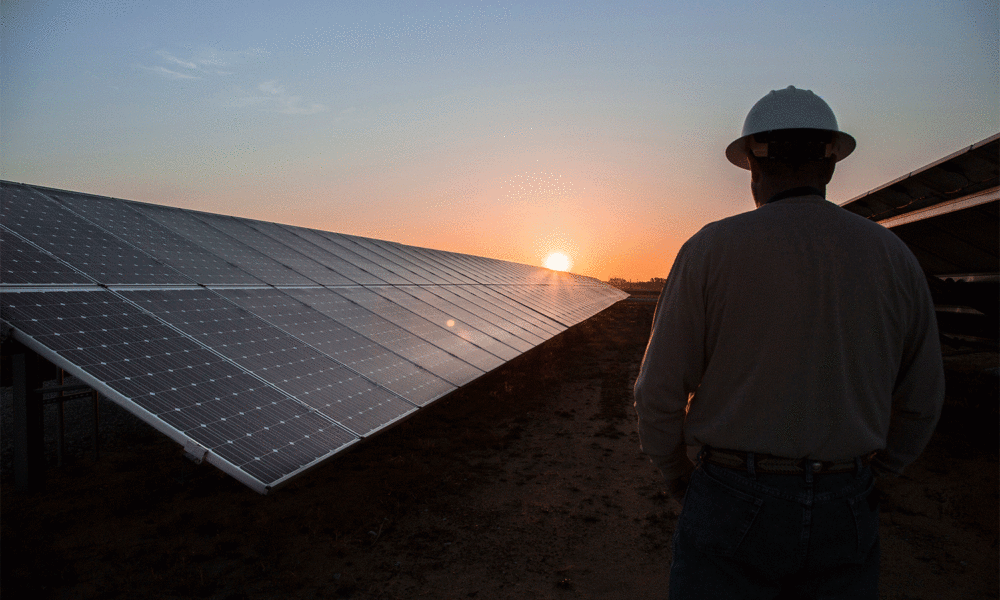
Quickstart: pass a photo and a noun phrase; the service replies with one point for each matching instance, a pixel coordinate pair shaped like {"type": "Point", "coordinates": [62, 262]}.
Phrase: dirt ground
{"type": "Point", "coordinates": [528, 483]}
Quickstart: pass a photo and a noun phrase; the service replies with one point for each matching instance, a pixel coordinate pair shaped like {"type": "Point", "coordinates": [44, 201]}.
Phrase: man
{"type": "Point", "coordinates": [796, 346]}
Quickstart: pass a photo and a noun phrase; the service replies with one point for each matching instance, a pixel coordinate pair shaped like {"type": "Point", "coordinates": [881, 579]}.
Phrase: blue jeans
{"type": "Point", "coordinates": [747, 536]}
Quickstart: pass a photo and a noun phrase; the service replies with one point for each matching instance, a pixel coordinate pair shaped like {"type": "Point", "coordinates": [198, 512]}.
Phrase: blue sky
{"type": "Point", "coordinates": [495, 128]}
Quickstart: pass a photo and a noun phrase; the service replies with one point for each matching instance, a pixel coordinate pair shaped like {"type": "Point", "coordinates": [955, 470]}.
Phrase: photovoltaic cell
{"type": "Point", "coordinates": [555, 301]}
{"type": "Point", "coordinates": [545, 326]}
{"type": "Point", "coordinates": [272, 347]}
{"type": "Point", "coordinates": [514, 273]}
{"type": "Point", "coordinates": [342, 344]}
{"type": "Point", "coordinates": [224, 262]}
{"type": "Point", "coordinates": [423, 328]}
{"type": "Point", "coordinates": [389, 335]}
{"type": "Point", "coordinates": [502, 316]}
{"type": "Point", "coordinates": [461, 323]}
{"type": "Point", "coordinates": [286, 236]}
{"type": "Point", "coordinates": [458, 263]}
{"type": "Point", "coordinates": [328, 244]}
{"type": "Point", "coordinates": [526, 297]}
{"type": "Point", "coordinates": [588, 303]}
{"type": "Point", "coordinates": [516, 338]}
{"type": "Point", "coordinates": [476, 270]}
{"type": "Point", "coordinates": [23, 263]}
{"type": "Point", "coordinates": [482, 271]}
{"type": "Point", "coordinates": [435, 264]}
{"type": "Point", "coordinates": [282, 360]}
{"type": "Point", "coordinates": [387, 252]}
{"type": "Point", "coordinates": [203, 396]}
{"type": "Point", "coordinates": [359, 247]}
{"type": "Point", "coordinates": [558, 300]}
{"type": "Point", "coordinates": [310, 270]}
{"type": "Point", "coordinates": [88, 248]}
{"type": "Point", "coordinates": [436, 259]}
{"type": "Point", "coordinates": [125, 221]}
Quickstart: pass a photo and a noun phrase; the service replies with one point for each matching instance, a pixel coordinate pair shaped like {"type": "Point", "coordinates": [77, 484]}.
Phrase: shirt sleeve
{"type": "Point", "coordinates": [673, 364]}
{"type": "Point", "coordinates": [919, 391]}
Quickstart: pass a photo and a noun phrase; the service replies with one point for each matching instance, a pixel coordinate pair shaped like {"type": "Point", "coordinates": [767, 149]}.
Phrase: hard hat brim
{"type": "Point", "coordinates": [736, 152]}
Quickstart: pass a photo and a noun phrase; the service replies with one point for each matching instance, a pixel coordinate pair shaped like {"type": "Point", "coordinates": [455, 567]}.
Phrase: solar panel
{"type": "Point", "coordinates": [407, 272]}
{"type": "Point", "coordinates": [311, 272]}
{"type": "Point", "coordinates": [266, 348]}
{"type": "Point", "coordinates": [285, 362]}
{"type": "Point", "coordinates": [352, 271]}
{"type": "Point", "coordinates": [463, 323]}
{"type": "Point", "coordinates": [428, 257]}
{"type": "Point", "coordinates": [542, 299]}
{"type": "Point", "coordinates": [21, 262]}
{"type": "Point", "coordinates": [493, 323]}
{"type": "Point", "coordinates": [497, 269]}
{"type": "Point", "coordinates": [223, 262]}
{"type": "Point", "coordinates": [423, 328]}
{"type": "Point", "coordinates": [328, 243]}
{"type": "Point", "coordinates": [127, 221]}
{"type": "Point", "coordinates": [78, 243]}
{"type": "Point", "coordinates": [531, 319]}
{"type": "Point", "coordinates": [384, 332]}
{"type": "Point", "coordinates": [384, 253]}
{"type": "Point", "coordinates": [462, 264]}
{"type": "Point", "coordinates": [342, 344]}
{"type": "Point", "coordinates": [175, 383]}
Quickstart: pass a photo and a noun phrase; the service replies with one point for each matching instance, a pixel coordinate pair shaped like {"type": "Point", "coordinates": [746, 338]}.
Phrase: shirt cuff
{"type": "Point", "coordinates": [673, 467]}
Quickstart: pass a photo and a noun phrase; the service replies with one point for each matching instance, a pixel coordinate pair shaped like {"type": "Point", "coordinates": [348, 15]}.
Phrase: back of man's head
{"type": "Point", "coordinates": [801, 152]}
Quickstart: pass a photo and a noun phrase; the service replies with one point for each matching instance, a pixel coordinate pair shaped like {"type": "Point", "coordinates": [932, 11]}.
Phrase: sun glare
{"type": "Point", "coordinates": [557, 261]}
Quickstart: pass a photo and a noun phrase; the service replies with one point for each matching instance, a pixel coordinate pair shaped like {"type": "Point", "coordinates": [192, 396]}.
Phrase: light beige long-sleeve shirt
{"type": "Point", "coordinates": [797, 329]}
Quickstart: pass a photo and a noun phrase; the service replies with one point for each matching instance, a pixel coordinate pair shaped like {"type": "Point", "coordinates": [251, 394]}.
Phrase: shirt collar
{"type": "Point", "coordinates": [798, 191]}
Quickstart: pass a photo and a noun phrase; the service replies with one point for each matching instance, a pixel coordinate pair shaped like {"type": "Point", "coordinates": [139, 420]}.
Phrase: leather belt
{"type": "Point", "coordinates": [767, 463]}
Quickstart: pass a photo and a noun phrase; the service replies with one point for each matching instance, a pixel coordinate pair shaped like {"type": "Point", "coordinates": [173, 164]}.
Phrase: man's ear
{"type": "Point", "coordinates": [754, 166]}
{"type": "Point", "coordinates": [830, 167]}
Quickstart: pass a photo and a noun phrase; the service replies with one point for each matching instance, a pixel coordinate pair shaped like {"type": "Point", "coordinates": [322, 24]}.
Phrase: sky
{"type": "Point", "coordinates": [500, 129]}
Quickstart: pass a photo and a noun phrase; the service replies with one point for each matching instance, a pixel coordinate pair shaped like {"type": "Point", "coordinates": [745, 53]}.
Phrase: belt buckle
{"type": "Point", "coordinates": [818, 466]}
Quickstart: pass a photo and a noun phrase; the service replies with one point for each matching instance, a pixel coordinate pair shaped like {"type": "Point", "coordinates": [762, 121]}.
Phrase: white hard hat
{"type": "Point", "coordinates": [789, 108]}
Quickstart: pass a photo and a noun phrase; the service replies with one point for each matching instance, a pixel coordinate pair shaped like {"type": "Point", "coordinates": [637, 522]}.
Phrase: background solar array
{"type": "Point", "coordinates": [265, 348]}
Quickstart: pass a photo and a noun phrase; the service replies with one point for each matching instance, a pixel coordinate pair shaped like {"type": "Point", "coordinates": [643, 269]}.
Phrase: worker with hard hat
{"type": "Point", "coordinates": [794, 358]}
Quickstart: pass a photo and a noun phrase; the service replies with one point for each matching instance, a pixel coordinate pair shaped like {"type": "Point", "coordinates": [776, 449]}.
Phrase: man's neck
{"type": "Point", "coordinates": [802, 190]}
{"type": "Point", "coordinates": [763, 194]}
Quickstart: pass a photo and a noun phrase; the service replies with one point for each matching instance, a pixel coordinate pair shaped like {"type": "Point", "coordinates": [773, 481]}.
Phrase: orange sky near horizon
{"type": "Point", "coordinates": [605, 228]}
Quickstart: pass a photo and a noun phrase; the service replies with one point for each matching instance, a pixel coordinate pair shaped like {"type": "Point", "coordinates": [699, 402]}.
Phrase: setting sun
{"type": "Point", "coordinates": [557, 261]}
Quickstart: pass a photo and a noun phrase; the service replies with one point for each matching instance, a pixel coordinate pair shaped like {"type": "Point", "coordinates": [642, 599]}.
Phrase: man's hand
{"type": "Point", "coordinates": [677, 474]}
{"type": "Point", "coordinates": [678, 487]}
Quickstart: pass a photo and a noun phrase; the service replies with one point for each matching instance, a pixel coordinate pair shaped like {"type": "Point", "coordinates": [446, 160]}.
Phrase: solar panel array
{"type": "Point", "coordinates": [263, 348]}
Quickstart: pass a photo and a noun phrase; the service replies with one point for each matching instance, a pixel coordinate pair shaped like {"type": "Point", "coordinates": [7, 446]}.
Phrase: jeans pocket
{"type": "Point", "coordinates": [716, 517]}
{"type": "Point", "coordinates": [864, 506]}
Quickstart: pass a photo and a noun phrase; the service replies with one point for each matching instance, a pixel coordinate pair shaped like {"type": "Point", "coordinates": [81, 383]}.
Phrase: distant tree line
{"type": "Point", "coordinates": [653, 285]}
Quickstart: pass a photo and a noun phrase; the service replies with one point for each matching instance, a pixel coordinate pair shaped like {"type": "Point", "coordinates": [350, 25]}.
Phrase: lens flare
{"type": "Point", "coordinates": [557, 261]}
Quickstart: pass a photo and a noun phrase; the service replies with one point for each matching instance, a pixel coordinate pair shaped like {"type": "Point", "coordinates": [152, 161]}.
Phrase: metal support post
{"type": "Point", "coordinates": [61, 440]}
{"type": "Point", "coordinates": [29, 423]}
{"type": "Point", "coordinates": [97, 426]}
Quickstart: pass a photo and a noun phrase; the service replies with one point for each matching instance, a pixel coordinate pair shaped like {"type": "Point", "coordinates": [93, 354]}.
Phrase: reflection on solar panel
{"type": "Point", "coordinates": [263, 348]}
